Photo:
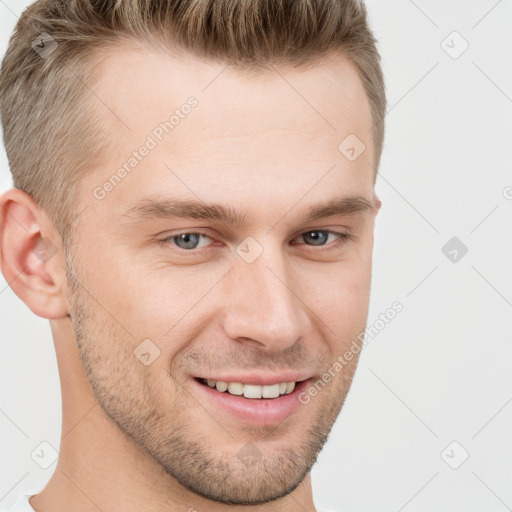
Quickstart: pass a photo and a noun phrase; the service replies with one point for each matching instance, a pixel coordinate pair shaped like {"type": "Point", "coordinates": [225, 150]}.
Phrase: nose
{"type": "Point", "coordinates": [264, 307]}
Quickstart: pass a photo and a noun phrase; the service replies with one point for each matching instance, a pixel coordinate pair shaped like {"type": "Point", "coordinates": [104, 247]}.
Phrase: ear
{"type": "Point", "coordinates": [31, 256]}
{"type": "Point", "coordinates": [377, 203]}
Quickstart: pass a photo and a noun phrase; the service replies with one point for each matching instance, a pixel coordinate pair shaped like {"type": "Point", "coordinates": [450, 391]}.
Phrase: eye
{"type": "Point", "coordinates": [320, 237]}
{"type": "Point", "coordinates": [187, 240]}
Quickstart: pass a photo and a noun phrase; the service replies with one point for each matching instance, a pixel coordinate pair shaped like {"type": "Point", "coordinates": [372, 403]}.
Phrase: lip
{"type": "Point", "coordinates": [258, 379]}
{"type": "Point", "coordinates": [259, 411]}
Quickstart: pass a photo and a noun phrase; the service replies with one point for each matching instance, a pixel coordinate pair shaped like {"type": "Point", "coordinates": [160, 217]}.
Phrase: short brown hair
{"type": "Point", "coordinates": [50, 127]}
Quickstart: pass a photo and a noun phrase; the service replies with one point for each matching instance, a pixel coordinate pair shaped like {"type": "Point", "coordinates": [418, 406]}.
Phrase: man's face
{"type": "Point", "coordinates": [271, 298]}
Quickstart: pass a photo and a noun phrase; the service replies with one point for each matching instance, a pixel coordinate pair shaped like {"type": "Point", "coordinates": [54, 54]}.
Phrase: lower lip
{"type": "Point", "coordinates": [257, 411]}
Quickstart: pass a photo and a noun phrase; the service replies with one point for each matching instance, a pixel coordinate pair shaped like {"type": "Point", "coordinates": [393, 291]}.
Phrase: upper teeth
{"type": "Point", "coordinates": [252, 390]}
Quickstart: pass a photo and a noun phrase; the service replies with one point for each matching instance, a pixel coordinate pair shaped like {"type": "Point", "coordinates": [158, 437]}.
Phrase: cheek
{"type": "Point", "coordinates": [341, 295]}
{"type": "Point", "coordinates": [338, 288]}
{"type": "Point", "coordinates": [134, 299]}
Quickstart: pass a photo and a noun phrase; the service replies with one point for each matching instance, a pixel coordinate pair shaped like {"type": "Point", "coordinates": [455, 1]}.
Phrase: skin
{"type": "Point", "coordinates": [138, 437]}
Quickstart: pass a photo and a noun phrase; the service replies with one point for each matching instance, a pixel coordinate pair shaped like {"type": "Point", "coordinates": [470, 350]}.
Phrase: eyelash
{"type": "Point", "coordinates": [342, 239]}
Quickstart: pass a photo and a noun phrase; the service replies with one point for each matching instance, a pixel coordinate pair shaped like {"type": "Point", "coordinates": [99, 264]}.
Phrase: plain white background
{"type": "Point", "coordinates": [439, 374]}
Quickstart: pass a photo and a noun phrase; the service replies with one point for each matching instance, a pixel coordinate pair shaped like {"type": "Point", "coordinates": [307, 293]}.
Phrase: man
{"type": "Point", "coordinates": [193, 211]}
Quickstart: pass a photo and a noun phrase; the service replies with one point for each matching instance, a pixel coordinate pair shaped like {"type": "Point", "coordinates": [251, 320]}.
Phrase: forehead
{"type": "Point", "coordinates": [142, 84]}
{"type": "Point", "coordinates": [278, 129]}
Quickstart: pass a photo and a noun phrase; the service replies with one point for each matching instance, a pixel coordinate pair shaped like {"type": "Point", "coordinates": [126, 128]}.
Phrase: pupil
{"type": "Point", "coordinates": [187, 240]}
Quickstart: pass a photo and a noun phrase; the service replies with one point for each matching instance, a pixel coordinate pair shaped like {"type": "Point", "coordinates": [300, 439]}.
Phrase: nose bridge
{"type": "Point", "coordinates": [262, 305]}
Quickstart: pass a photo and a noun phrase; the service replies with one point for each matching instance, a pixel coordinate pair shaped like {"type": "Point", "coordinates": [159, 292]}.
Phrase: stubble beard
{"type": "Point", "coordinates": [169, 437]}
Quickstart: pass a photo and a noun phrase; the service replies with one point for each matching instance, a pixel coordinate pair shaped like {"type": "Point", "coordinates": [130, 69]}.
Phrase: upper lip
{"type": "Point", "coordinates": [259, 379]}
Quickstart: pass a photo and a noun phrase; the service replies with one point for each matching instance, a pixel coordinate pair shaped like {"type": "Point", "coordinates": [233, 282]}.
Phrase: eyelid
{"type": "Point", "coordinates": [169, 239]}
{"type": "Point", "coordinates": [343, 237]}
{"type": "Point", "coordinates": [340, 235]}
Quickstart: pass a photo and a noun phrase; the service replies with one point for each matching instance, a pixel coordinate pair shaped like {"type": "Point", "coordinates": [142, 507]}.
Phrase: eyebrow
{"type": "Point", "coordinates": [151, 208]}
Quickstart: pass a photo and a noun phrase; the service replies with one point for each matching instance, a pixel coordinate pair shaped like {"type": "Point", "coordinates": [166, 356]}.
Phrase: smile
{"type": "Point", "coordinates": [258, 399]}
{"type": "Point", "coordinates": [252, 391]}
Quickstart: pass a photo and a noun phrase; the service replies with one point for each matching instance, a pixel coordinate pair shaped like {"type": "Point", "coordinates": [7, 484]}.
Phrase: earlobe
{"type": "Point", "coordinates": [30, 253]}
